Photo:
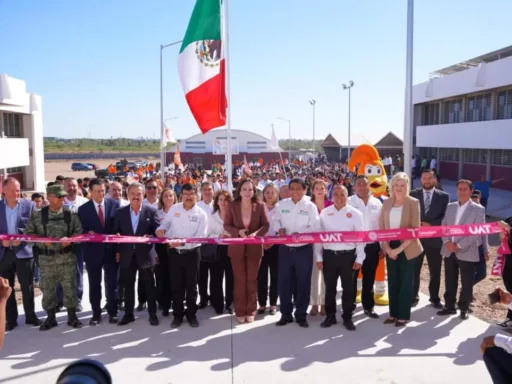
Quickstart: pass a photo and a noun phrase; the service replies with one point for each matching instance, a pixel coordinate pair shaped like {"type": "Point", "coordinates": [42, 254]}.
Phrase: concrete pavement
{"type": "Point", "coordinates": [430, 350]}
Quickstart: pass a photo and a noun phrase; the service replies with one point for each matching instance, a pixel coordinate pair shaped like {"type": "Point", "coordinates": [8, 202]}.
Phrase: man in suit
{"type": "Point", "coordinates": [136, 219]}
{"type": "Point", "coordinates": [97, 216]}
{"type": "Point", "coordinates": [15, 257]}
{"type": "Point", "coordinates": [461, 253]}
{"type": "Point", "coordinates": [433, 203]}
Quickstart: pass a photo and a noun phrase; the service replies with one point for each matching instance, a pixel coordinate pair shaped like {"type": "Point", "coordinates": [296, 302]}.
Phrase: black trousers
{"type": "Point", "coordinates": [369, 268]}
{"type": "Point", "coordinates": [163, 277]}
{"type": "Point", "coordinates": [10, 266]}
{"type": "Point", "coordinates": [183, 269]}
{"type": "Point", "coordinates": [269, 263]}
{"type": "Point", "coordinates": [339, 264]}
{"type": "Point", "coordinates": [507, 278]}
{"type": "Point", "coordinates": [146, 277]}
{"type": "Point", "coordinates": [141, 290]}
{"type": "Point", "coordinates": [452, 268]}
{"type": "Point", "coordinates": [435, 261]}
{"type": "Point", "coordinates": [499, 364]}
{"type": "Point", "coordinates": [221, 274]}
{"type": "Point", "coordinates": [204, 273]}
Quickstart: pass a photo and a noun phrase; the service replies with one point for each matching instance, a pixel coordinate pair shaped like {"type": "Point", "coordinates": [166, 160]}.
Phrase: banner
{"type": "Point", "coordinates": [301, 238]}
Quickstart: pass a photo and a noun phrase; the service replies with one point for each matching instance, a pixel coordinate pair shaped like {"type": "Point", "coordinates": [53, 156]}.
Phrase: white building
{"type": "Point", "coordinates": [21, 134]}
{"type": "Point", "coordinates": [463, 117]}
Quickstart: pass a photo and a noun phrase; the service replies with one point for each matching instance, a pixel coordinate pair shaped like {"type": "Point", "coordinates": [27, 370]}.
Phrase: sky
{"type": "Point", "coordinates": [96, 63]}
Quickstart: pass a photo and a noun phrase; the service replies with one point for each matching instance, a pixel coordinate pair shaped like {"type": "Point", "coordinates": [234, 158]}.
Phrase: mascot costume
{"type": "Point", "coordinates": [367, 160]}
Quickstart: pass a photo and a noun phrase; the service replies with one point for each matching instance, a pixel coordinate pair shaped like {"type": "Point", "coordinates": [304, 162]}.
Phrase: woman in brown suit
{"type": "Point", "coordinates": [246, 217]}
{"type": "Point", "coordinates": [400, 211]}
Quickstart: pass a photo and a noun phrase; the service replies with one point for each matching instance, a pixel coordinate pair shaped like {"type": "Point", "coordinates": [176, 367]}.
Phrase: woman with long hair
{"type": "Point", "coordinates": [220, 268]}
{"type": "Point", "coordinates": [319, 198]}
{"type": "Point", "coordinates": [246, 218]}
{"type": "Point", "coordinates": [163, 281]}
{"type": "Point", "coordinates": [269, 262]}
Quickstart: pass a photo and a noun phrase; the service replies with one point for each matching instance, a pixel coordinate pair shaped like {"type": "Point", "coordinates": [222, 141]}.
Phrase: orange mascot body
{"type": "Point", "coordinates": [367, 158]}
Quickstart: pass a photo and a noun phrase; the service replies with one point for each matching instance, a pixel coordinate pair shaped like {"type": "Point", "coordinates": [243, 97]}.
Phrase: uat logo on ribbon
{"type": "Point", "coordinates": [302, 238]}
{"type": "Point", "coordinates": [373, 236]}
{"type": "Point", "coordinates": [481, 229]}
{"type": "Point", "coordinates": [331, 237]}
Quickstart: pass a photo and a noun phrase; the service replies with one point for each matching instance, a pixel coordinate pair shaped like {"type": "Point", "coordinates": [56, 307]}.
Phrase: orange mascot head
{"type": "Point", "coordinates": [368, 159]}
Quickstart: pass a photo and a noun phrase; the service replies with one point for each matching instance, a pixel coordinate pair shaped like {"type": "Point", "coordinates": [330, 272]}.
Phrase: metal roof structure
{"type": "Point", "coordinates": [475, 62]}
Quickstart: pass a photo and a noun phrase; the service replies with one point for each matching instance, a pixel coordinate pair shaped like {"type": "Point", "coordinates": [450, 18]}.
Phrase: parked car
{"type": "Point", "coordinates": [94, 166]}
{"type": "Point", "coordinates": [81, 167]}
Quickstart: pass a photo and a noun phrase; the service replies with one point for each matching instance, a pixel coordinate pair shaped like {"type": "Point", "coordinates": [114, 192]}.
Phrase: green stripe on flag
{"type": "Point", "coordinates": [204, 23]}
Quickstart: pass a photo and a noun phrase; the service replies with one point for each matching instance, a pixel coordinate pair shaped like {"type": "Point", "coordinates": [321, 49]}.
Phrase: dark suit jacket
{"type": "Point", "coordinates": [435, 214]}
{"type": "Point", "coordinates": [24, 212]}
{"type": "Point", "coordinates": [98, 253]}
{"type": "Point", "coordinates": [233, 223]}
{"type": "Point", "coordinates": [147, 226]}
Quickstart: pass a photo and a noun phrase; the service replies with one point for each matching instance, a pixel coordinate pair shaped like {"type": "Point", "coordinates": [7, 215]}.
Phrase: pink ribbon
{"type": "Point", "coordinates": [303, 238]}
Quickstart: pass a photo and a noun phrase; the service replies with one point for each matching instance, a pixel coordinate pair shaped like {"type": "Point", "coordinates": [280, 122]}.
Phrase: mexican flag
{"type": "Point", "coordinates": [201, 66]}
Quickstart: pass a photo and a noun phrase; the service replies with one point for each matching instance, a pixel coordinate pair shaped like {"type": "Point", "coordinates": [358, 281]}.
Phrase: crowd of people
{"type": "Point", "coordinates": [247, 280]}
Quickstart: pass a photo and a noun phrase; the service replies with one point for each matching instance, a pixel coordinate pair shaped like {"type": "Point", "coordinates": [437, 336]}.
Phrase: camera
{"type": "Point", "coordinates": [85, 371]}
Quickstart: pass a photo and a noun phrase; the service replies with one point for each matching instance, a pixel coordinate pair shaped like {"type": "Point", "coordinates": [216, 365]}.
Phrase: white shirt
{"type": "Point", "coordinates": [395, 217]}
{"type": "Point", "coordinates": [180, 223]}
{"type": "Point", "coordinates": [216, 186]}
{"type": "Point", "coordinates": [154, 205]}
{"type": "Point", "coordinates": [215, 225]}
{"type": "Point", "coordinates": [160, 215]}
{"type": "Point", "coordinates": [270, 213]}
{"type": "Point", "coordinates": [263, 183]}
{"type": "Point", "coordinates": [433, 164]}
{"type": "Point", "coordinates": [78, 202]}
{"type": "Point", "coordinates": [460, 211]}
{"type": "Point", "coordinates": [207, 208]}
{"type": "Point", "coordinates": [300, 217]}
{"type": "Point", "coordinates": [96, 205]}
{"type": "Point", "coordinates": [370, 211]}
{"type": "Point", "coordinates": [346, 219]}
{"type": "Point", "coordinates": [431, 193]}
{"type": "Point", "coordinates": [503, 341]}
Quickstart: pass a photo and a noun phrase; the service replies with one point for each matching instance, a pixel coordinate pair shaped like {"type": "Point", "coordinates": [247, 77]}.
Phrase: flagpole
{"type": "Point", "coordinates": [408, 110]}
{"type": "Point", "coordinates": [225, 45]}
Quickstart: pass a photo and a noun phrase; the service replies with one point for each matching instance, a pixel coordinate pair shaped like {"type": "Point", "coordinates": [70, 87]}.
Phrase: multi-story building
{"type": "Point", "coordinates": [463, 117]}
{"type": "Point", "coordinates": [21, 134]}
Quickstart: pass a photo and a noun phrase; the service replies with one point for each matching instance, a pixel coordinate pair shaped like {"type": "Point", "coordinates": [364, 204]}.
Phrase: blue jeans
{"type": "Point", "coordinates": [37, 274]}
{"type": "Point", "coordinates": [481, 267]}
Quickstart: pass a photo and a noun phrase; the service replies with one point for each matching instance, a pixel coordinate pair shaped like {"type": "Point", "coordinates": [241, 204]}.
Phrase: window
{"type": "Point", "coordinates": [13, 125]}
{"type": "Point", "coordinates": [478, 108]}
{"type": "Point", "coordinates": [15, 170]}
{"type": "Point", "coordinates": [431, 114]}
{"type": "Point", "coordinates": [504, 105]}
{"type": "Point", "coordinates": [476, 156]}
{"type": "Point", "coordinates": [452, 111]}
{"type": "Point", "coordinates": [449, 154]}
{"type": "Point", "coordinates": [502, 157]}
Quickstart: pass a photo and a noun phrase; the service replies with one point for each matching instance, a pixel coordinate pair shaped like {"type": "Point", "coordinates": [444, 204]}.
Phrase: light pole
{"type": "Point", "coordinates": [313, 103]}
{"type": "Point", "coordinates": [162, 149]}
{"type": "Point", "coordinates": [289, 137]}
{"type": "Point", "coordinates": [349, 87]}
{"type": "Point", "coordinates": [409, 108]}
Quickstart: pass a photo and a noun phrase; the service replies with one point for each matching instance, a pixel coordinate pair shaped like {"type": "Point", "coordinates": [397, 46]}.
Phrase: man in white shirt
{"type": "Point", "coordinates": [341, 260]}
{"type": "Point", "coordinates": [151, 194]}
{"type": "Point", "coordinates": [295, 216]}
{"type": "Point", "coordinates": [184, 220]}
{"type": "Point", "coordinates": [370, 208]}
{"type": "Point", "coordinates": [115, 192]}
{"type": "Point", "coordinates": [497, 350]}
{"type": "Point", "coordinates": [206, 204]}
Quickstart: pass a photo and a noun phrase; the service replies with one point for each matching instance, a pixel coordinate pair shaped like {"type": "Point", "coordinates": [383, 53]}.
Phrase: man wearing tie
{"type": "Point", "coordinates": [16, 257]}
{"type": "Point", "coordinates": [136, 219]}
{"type": "Point", "coordinates": [97, 216]}
{"type": "Point", "coordinates": [433, 203]}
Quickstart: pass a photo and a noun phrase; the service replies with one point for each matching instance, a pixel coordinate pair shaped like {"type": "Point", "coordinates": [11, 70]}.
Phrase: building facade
{"type": "Point", "coordinates": [203, 149]}
{"type": "Point", "coordinates": [463, 117]}
{"type": "Point", "coordinates": [21, 134]}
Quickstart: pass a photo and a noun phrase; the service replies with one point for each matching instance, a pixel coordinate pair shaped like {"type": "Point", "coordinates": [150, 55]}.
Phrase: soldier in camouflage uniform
{"type": "Point", "coordinates": [57, 261]}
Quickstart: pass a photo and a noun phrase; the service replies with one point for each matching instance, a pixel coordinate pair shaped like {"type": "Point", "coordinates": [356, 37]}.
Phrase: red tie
{"type": "Point", "coordinates": [100, 215]}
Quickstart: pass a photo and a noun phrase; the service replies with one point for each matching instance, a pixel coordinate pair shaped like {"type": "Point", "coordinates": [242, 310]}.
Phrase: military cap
{"type": "Point", "coordinates": [56, 190]}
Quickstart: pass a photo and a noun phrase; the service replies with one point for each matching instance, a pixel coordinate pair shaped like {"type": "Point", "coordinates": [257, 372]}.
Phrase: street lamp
{"type": "Point", "coordinates": [313, 103]}
{"type": "Point", "coordinates": [349, 87]}
{"type": "Point", "coordinates": [289, 137]}
{"type": "Point", "coordinates": [162, 122]}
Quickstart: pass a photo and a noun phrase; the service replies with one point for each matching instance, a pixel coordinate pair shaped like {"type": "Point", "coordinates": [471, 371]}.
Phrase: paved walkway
{"type": "Point", "coordinates": [430, 350]}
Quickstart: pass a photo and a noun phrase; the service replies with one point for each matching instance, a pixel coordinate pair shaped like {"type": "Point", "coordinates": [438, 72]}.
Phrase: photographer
{"type": "Point", "coordinates": [5, 292]}
{"type": "Point", "coordinates": [497, 350]}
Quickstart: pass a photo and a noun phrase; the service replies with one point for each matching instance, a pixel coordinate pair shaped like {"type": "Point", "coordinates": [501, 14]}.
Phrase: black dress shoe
{"type": "Point", "coordinates": [283, 321]}
{"type": "Point", "coordinates": [153, 320]}
{"type": "Point", "coordinates": [33, 321]}
{"type": "Point", "coordinates": [303, 323]}
{"type": "Point", "coordinates": [463, 315]}
{"type": "Point", "coordinates": [229, 310]}
{"type": "Point", "coordinates": [126, 320]}
{"type": "Point", "coordinates": [260, 311]}
{"type": "Point", "coordinates": [437, 305]}
{"type": "Point", "coordinates": [349, 325]}
{"type": "Point", "coordinates": [192, 321]}
{"type": "Point", "coordinates": [447, 312]}
{"type": "Point", "coordinates": [141, 307]}
{"type": "Point", "coordinates": [371, 313]}
{"type": "Point", "coordinates": [219, 311]}
{"type": "Point", "coordinates": [10, 326]}
{"type": "Point", "coordinates": [95, 320]}
{"type": "Point", "coordinates": [176, 322]}
{"type": "Point", "coordinates": [165, 312]}
{"type": "Point", "coordinates": [328, 322]}
{"type": "Point", "coordinates": [113, 319]}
